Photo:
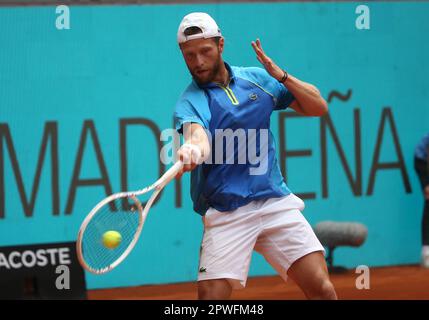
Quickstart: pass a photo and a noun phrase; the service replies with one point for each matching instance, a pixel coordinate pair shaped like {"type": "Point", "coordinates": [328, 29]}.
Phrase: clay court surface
{"type": "Point", "coordinates": [401, 282]}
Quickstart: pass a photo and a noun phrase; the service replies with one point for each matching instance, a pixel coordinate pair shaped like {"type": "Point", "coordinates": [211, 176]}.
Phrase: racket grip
{"type": "Point", "coordinates": [169, 175]}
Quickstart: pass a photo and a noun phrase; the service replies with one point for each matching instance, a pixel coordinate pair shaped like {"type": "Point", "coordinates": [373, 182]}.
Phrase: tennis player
{"type": "Point", "coordinates": [242, 211]}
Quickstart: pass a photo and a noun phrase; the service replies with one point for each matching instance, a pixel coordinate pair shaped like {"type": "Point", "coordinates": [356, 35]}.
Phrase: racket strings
{"type": "Point", "coordinates": [125, 222]}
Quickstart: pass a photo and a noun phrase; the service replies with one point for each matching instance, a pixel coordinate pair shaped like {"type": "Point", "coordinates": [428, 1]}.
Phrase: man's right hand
{"type": "Point", "coordinates": [190, 155]}
{"type": "Point", "coordinates": [196, 148]}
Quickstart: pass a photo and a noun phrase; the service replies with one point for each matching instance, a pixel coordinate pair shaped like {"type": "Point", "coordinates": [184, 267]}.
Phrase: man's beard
{"type": "Point", "coordinates": [211, 75]}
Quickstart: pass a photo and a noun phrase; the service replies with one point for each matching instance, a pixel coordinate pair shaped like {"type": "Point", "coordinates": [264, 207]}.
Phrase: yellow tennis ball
{"type": "Point", "coordinates": [111, 239]}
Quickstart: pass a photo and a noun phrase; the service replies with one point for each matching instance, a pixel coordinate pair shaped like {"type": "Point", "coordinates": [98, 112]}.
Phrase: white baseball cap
{"type": "Point", "coordinates": [200, 20]}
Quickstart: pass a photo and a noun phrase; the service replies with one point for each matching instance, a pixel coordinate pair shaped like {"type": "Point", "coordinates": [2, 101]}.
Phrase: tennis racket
{"type": "Point", "coordinates": [109, 215]}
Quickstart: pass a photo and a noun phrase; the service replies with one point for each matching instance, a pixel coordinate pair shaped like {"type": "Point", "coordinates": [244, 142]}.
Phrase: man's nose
{"type": "Point", "coordinates": [199, 60]}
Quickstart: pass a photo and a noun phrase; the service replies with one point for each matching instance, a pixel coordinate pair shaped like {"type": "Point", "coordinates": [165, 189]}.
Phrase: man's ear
{"type": "Point", "coordinates": [221, 44]}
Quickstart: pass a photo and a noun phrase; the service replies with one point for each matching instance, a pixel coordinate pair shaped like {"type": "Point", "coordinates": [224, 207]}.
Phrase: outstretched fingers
{"type": "Point", "coordinates": [260, 54]}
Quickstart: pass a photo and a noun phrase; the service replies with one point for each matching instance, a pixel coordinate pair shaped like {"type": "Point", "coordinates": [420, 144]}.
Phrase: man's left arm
{"type": "Point", "coordinates": [308, 100]}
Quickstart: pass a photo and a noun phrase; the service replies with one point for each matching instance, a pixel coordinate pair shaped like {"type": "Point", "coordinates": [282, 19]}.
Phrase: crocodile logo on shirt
{"type": "Point", "coordinates": [253, 96]}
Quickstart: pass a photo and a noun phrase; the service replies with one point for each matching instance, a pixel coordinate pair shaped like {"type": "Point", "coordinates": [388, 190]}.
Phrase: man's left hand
{"type": "Point", "coordinates": [274, 70]}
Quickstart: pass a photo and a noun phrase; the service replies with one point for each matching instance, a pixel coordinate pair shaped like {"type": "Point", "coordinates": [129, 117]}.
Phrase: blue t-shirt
{"type": "Point", "coordinates": [244, 106]}
{"type": "Point", "coordinates": [421, 151]}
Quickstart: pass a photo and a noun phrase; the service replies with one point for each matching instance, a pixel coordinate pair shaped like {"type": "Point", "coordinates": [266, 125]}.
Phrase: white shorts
{"type": "Point", "coordinates": [273, 227]}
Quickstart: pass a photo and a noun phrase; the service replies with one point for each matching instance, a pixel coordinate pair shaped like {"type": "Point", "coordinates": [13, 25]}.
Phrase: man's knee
{"type": "Point", "coordinates": [324, 290]}
{"type": "Point", "coordinates": [218, 289]}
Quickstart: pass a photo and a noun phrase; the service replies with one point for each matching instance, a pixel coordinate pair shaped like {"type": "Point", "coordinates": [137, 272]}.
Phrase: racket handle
{"type": "Point", "coordinates": [169, 175]}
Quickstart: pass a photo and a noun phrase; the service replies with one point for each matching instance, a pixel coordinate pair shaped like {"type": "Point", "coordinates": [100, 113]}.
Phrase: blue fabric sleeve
{"type": "Point", "coordinates": [191, 107]}
{"type": "Point", "coordinates": [284, 97]}
{"type": "Point", "coordinates": [185, 112]}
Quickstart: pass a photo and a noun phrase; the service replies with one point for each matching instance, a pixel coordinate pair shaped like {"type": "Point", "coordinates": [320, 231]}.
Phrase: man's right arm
{"type": "Point", "coordinates": [196, 148]}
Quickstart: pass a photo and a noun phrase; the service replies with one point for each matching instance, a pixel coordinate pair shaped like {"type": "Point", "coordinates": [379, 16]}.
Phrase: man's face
{"type": "Point", "coordinates": [203, 58]}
